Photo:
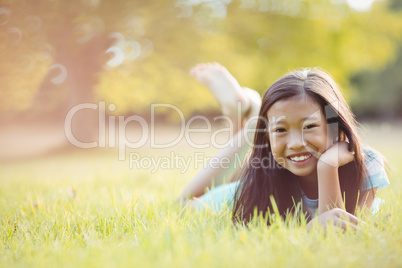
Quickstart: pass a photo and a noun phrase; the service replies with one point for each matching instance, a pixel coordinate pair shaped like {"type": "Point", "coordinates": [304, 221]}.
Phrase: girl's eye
{"type": "Point", "coordinates": [310, 126]}
{"type": "Point", "coordinates": [279, 130]}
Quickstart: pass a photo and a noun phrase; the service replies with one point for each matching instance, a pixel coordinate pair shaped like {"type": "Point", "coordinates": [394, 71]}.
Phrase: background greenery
{"type": "Point", "coordinates": [84, 208]}
{"type": "Point", "coordinates": [156, 42]}
{"type": "Point", "coordinates": [90, 210]}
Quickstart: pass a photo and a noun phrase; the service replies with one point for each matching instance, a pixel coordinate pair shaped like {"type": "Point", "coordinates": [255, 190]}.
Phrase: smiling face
{"type": "Point", "coordinates": [297, 133]}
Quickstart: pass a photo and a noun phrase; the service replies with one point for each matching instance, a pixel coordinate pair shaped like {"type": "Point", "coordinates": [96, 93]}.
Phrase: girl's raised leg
{"type": "Point", "coordinates": [232, 98]}
{"type": "Point", "coordinates": [227, 161]}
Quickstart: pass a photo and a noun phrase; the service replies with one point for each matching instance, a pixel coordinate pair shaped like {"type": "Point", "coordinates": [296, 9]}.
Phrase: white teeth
{"type": "Point", "coordinates": [300, 158]}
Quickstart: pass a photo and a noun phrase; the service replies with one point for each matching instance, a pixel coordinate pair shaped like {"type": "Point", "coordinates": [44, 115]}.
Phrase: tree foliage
{"type": "Point", "coordinates": [378, 94]}
{"type": "Point", "coordinates": [133, 53]}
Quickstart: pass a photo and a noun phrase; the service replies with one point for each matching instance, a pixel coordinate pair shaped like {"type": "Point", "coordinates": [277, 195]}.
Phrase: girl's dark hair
{"type": "Point", "coordinates": [259, 183]}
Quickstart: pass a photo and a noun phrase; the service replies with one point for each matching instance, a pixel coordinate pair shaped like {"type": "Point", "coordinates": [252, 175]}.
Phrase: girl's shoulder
{"type": "Point", "coordinates": [370, 155]}
{"type": "Point", "coordinates": [374, 160]}
{"type": "Point", "coordinates": [376, 173]}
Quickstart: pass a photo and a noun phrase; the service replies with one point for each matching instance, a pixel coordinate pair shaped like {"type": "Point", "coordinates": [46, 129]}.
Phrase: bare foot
{"type": "Point", "coordinates": [223, 86]}
{"type": "Point", "coordinates": [254, 108]}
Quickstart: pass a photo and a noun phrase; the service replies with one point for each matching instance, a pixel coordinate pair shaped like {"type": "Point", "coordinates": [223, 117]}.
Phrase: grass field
{"type": "Point", "coordinates": [87, 209]}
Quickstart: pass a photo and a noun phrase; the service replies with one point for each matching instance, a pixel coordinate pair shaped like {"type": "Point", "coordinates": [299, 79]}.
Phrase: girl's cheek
{"type": "Point", "coordinates": [329, 141]}
{"type": "Point", "coordinates": [280, 160]}
{"type": "Point", "coordinates": [317, 142]}
{"type": "Point", "coordinates": [275, 141]}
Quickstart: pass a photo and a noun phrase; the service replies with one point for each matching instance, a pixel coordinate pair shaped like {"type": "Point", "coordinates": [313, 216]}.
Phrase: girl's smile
{"type": "Point", "coordinates": [297, 134]}
{"type": "Point", "coordinates": [300, 159]}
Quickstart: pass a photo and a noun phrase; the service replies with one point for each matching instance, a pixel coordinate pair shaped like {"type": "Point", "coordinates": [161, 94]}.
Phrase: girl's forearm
{"type": "Point", "coordinates": [329, 191]}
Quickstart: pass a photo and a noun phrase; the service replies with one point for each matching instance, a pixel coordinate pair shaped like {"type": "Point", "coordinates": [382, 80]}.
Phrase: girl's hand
{"type": "Point", "coordinates": [338, 217]}
{"type": "Point", "coordinates": [337, 155]}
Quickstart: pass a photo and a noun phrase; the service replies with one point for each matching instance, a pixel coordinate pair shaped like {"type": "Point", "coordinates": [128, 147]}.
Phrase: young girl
{"type": "Point", "coordinates": [306, 148]}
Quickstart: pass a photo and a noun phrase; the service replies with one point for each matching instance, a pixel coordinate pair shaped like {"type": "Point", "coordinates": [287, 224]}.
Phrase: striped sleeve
{"type": "Point", "coordinates": [376, 174]}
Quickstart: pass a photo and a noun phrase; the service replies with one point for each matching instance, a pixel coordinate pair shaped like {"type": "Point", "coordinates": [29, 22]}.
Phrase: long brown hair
{"type": "Point", "coordinates": [259, 183]}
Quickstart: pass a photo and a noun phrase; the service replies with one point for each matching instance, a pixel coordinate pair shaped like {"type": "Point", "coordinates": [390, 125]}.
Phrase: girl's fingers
{"type": "Point", "coordinates": [346, 216]}
{"type": "Point", "coordinates": [339, 218]}
{"type": "Point", "coordinates": [344, 224]}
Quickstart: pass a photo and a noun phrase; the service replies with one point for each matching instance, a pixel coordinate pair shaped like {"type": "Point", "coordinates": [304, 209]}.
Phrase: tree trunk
{"type": "Point", "coordinates": [82, 63]}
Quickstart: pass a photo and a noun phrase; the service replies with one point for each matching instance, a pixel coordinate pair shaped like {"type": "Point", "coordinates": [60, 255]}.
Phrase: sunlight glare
{"type": "Point", "coordinates": [360, 5]}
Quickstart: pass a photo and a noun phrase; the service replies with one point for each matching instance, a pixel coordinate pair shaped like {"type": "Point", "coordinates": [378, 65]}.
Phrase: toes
{"type": "Point", "coordinates": [198, 68]}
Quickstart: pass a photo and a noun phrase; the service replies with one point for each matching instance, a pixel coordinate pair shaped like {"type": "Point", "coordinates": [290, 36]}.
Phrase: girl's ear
{"type": "Point", "coordinates": [342, 136]}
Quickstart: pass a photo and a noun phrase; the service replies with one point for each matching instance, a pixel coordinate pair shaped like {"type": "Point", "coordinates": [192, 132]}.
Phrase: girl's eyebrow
{"type": "Point", "coordinates": [316, 116]}
{"type": "Point", "coordinates": [312, 117]}
{"type": "Point", "coordinates": [274, 122]}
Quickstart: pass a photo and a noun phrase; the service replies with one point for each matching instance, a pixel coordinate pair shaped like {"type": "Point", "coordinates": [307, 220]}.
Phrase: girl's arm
{"type": "Point", "coordinates": [329, 191]}
{"type": "Point", "coordinates": [328, 181]}
{"type": "Point", "coordinates": [330, 204]}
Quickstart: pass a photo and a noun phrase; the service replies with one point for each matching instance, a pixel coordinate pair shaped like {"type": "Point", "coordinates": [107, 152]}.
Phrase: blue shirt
{"type": "Point", "coordinates": [223, 195]}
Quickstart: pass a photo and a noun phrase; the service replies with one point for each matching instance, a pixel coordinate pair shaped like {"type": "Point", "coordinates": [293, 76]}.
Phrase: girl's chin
{"type": "Point", "coordinates": [303, 169]}
{"type": "Point", "coordinates": [302, 173]}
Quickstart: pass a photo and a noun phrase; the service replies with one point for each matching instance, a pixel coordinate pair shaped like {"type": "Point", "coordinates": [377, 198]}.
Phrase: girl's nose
{"type": "Point", "coordinates": [295, 140]}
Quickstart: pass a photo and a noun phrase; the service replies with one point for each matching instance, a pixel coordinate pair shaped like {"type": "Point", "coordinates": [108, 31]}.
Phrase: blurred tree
{"type": "Point", "coordinates": [57, 54]}
{"type": "Point", "coordinates": [395, 4]}
{"type": "Point", "coordinates": [378, 95]}
{"type": "Point", "coordinates": [54, 52]}
{"type": "Point", "coordinates": [257, 40]}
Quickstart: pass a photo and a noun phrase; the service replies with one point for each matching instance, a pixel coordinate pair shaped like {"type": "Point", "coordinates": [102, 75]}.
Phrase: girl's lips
{"type": "Point", "coordinates": [297, 158]}
{"type": "Point", "coordinates": [299, 154]}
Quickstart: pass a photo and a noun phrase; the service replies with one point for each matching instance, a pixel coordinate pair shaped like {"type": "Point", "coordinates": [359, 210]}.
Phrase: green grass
{"type": "Point", "coordinates": [90, 210]}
